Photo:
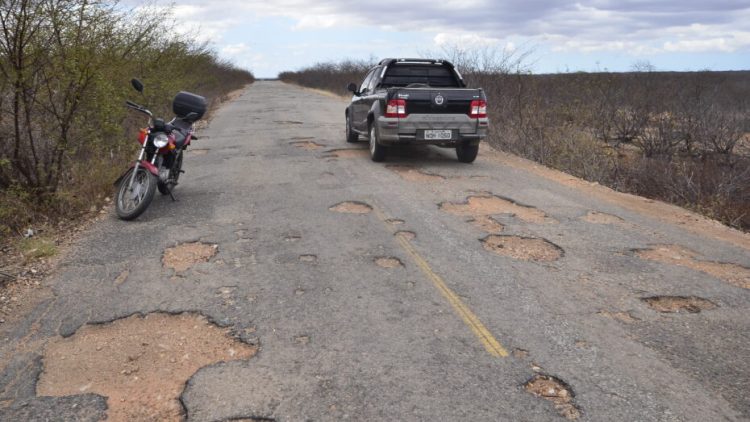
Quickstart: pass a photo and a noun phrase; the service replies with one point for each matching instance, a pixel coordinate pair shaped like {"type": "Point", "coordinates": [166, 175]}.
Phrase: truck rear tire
{"type": "Point", "coordinates": [377, 151]}
{"type": "Point", "coordinates": [467, 153]}
{"type": "Point", "coordinates": [351, 135]}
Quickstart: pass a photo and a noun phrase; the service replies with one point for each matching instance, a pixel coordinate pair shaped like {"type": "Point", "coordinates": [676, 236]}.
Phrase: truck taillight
{"type": "Point", "coordinates": [478, 109]}
{"type": "Point", "coordinates": [395, 108]}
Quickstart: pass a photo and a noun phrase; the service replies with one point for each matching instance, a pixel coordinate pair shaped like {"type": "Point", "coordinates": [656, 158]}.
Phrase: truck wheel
{"type": "Point", "coordinates": [377, 151]}
{"type": "Point", "coordinates": [467, 153]}
{"type": "Point", "coordinates": [351, 135]}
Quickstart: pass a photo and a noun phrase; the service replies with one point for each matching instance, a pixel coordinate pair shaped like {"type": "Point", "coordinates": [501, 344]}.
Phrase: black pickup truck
{"type": "Point", "coordinates": [417, 101]}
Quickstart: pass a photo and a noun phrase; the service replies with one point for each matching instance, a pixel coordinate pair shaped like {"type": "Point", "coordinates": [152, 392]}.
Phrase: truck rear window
{"type": "Point", "coordinates": [401, 75]}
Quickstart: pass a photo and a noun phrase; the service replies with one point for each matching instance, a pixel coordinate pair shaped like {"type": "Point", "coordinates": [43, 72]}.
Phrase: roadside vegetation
{"type": "Point", "coordinates": [680, 137]}
{"type": "Point", "coordinates": [65, 67]}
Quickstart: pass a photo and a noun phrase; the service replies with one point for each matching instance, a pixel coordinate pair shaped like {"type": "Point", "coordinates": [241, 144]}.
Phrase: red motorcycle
{"type": "Point", "coordinates": [159, 163]}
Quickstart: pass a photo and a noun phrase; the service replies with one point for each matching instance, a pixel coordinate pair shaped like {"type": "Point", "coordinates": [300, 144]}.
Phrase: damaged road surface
{"type": "Point", "coordinates": [302, 281]}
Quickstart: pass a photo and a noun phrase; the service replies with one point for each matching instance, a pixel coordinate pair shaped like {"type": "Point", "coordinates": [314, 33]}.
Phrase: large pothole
{"type": "Point", "coordinates": [352, 207]}
{"type": "Point", "coordinates": [184, 256]}
{"type": "Point", "coordinates": [674, 304]}
{"type": "Point", "coordinates": [556, 391]}
{"type": "Point", "coordinates": [523, 248]}
{"type": "Point", "coordinates": [413, 174]}
{"type": "Point", "coordinates": [140, 363]}
{"type": "Point", "coordinates": [677, 255]}
{"type": "Point", "coordinates": [484, 205]}
{"type": "Point", "coordinates": [349, 153]}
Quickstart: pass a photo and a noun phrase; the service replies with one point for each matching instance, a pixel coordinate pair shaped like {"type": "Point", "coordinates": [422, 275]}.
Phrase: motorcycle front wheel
{"type": "Point", "coordinates": [133, 201]}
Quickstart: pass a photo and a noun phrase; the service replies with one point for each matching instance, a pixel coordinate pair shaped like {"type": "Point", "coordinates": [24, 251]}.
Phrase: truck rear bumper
{"type": "Point", "coordinates": [411, 129]}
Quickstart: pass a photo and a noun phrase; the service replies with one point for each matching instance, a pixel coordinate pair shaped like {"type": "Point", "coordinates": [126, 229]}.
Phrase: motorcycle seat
{"type": "Point", "coordinates": [181, 127]}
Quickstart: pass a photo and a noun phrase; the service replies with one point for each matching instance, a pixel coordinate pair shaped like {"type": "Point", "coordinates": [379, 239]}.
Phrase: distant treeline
{"type": "Point", "coordinates": [682, 137]}
{"type": "Point", "coordinates": [65, 67]}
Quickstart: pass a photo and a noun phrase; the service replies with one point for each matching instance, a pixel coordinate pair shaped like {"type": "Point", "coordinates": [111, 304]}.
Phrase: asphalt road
{"type": "Point", "coordinates": [451, 331]}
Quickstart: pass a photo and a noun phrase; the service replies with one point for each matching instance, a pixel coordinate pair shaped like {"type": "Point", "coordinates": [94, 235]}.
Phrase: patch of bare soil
{"type": "Point", "coordinates": [487, 224]}
{"type": "Point", "coordinates": [477, 206]}
{"type": "Point", "coordinates": [394, 221]}
{"type": "Point", "coordinates": [674, 304]}
{"type": "Point", "coordinates": [621, 316]}
{"type": "Point", "coordinates": [352, 207]}
{"type": "Point", "coordinates": [672, 214]}
{"type": "Point", "coordinates": [308, 145]}
{"type": "Point", "coordinates": [389, 262]}
{"type": "Point", "coordinates": [523, 248]}
{"type": "Point", "coordinates": [405, 234]}
{"type": "Point", "coordinates": [184, 256]}
{"type": "Point", "coordinates": [595, 217]}
{"type": "Point", "coordinates": [141, 364]}
{"type": "Point", "coordinates": [556, 391]}
{"type": "Point", "coordinates": [349, 153]}
{"type": "Point", "coordinates": [677, 255]}
{"type": "Point", "coordinates": [413, 174]}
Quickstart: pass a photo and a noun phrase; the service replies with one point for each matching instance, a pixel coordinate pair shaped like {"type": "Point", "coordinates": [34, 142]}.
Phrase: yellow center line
{"type": "Point", "coordinates": [489, 341]}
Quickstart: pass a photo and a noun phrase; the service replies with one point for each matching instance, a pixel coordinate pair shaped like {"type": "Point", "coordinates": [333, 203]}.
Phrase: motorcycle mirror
{"type": "Point", "coordinates": [138, 85]}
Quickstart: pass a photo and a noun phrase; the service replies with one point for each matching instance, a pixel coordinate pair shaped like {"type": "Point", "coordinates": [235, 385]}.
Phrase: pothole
{"type": "Point", "coordinates": [352, 207]}
{"type": "Point", "coordinates": [677, 255]}
{"type": "Point", "coordinates": [394, 221]}
{"type": "Point", "coordinates": [308, 145]}
{"type": "Point", "coordinates": [198, 151]}
{"type": "Point", "coordinates": [141, 364]}
{"type": "Point", "coordinates": [415, 175]}
{"type": "Point", "coordinates": [389, 262]}
{"type": "Point", "coordinates": [405, 234]}
{"type": "Point", "coordinates": [477, 206]}
{"type": "Point", "coordinates": [621, 316]}
{"type": "Point", "coordinates": [556, 391]}
{"type": "Point", "coordinates": [349, 153]}
{"type": "Point", "coordinates": [288, 122]}
{"type": "Point", "coordinates": [674, 304]}
{"type": "Point", "coordinates": [184, 256]}
{"type": "Point", "coordinates": [523, 248]}
{"type": "Point", "coordinates": [595, 217]}
{"type": "Point", "coordinates": [308, 258]}
{"type": "Point", "coordinates": [487, 224]}
{"type": "Point", "coordinates": [520, 353]}
{"type": "Point", "coordinates": [123, 277]}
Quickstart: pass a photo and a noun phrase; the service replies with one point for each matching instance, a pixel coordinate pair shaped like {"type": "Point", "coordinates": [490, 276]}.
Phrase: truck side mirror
{"type": "Point", "coordinates": [352, 87]}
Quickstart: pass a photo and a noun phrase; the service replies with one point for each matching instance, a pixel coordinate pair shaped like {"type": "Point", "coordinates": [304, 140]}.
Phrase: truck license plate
{"type": "Point", "coordinates": [438, 134]}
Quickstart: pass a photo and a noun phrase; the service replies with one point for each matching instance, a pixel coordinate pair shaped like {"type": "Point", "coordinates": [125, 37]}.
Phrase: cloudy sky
{"type": "Point", "coordinates": [268, 37]}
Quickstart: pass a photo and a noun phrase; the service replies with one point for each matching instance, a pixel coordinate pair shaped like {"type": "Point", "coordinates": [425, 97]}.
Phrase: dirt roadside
{"type": "Point", "coordinates": [688, 220]}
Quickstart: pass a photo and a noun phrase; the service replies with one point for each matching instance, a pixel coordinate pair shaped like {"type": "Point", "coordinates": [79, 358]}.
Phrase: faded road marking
{"type": "Point", "coordinates": [489, 341]}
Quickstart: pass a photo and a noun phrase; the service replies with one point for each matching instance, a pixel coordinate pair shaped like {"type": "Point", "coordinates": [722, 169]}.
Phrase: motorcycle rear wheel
{"type": "Point", "coordinates": [131, 203]}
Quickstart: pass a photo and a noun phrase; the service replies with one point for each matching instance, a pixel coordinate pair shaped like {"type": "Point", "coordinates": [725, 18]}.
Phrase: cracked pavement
{"type": "Point", "coordinates": [447, 330]}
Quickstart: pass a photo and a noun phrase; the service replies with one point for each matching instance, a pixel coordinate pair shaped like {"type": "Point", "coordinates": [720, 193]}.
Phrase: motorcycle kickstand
{"type": "Point", "coordinates": [171, 195]}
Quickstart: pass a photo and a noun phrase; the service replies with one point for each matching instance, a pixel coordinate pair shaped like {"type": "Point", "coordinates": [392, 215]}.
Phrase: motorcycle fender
{"type": "Point", "coordinates": [147, 165]}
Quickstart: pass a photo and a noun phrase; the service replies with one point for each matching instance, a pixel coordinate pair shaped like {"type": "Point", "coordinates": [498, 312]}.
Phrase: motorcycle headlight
{"type": "Point", "coordinates": [161, 140]}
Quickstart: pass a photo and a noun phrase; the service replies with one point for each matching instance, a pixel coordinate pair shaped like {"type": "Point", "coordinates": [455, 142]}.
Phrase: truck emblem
{"type": "Point", "coordinates": [439, 100]}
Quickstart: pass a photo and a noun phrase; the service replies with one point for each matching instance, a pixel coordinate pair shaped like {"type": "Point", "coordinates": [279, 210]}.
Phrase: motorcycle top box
{"type": "Point", "coordinates": [186, 102]}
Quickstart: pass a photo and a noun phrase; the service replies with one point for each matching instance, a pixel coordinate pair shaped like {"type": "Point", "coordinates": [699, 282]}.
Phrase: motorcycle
{"type": "Point", "coordinates": [159, 162]}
